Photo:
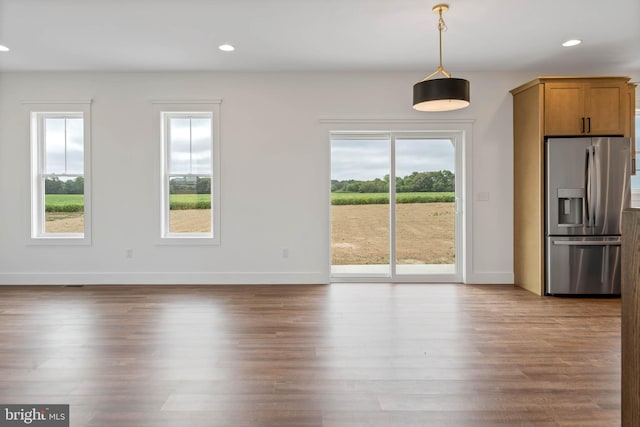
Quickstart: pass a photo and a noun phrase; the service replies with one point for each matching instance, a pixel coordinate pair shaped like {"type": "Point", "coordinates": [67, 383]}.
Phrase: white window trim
{"type": "Point", "coordinates": [36, 210]}
{"type": "Point", "coordinates": [211, 107]}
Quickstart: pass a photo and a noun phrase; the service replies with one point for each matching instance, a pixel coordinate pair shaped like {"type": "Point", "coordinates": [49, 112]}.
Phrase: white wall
{"type": "Point", "coordinates": [271, 134]}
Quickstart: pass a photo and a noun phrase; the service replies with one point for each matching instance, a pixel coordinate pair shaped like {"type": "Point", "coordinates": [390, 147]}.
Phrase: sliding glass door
{"type": "Point", "coordinates": [393, 206]}
{"type": "Point", "coordinates": [425, 206]}
{"type": "Point", "coordinates": [360, 216]}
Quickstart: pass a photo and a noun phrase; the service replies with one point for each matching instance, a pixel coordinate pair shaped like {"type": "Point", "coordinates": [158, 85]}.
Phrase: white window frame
{"type": "Point", "coordinates": [166, 110]}
{"type": "Point", "coordinates": [38, 112]}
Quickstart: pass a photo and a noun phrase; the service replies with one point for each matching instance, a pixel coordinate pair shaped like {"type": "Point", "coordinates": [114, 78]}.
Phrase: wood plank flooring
{"type": "Point", "coordinates": [338, 355]}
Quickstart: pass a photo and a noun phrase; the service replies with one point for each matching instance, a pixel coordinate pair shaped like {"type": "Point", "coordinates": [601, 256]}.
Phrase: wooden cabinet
{"type": "Point", "coordinates": [592, 107]}
{"type": "Point", "coordinates": [556, 106]}
{"type": "Point", "coordinates": [630, 318]}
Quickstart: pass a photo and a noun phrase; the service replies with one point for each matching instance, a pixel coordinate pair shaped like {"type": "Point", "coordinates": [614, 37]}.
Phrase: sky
{"type": "Point", "coordinates": [369, 159]}
{"type": "Point", "coordinates": [64, 146]}
{"type": "Point", "coordinates": [190, 145]}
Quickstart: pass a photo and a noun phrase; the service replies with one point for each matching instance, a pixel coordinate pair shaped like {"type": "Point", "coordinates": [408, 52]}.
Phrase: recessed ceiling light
{"type": "Point", "coordinates": [4, 48]}
{"type": "Point", "coordinates": [572, 42]}
{"type": "Point", "coordinates": [226, 48]}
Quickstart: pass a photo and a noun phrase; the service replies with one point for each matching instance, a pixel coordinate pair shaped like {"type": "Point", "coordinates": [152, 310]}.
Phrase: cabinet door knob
{"type": "Point", "coordinates": [588, 124]}
{"type": "Point", "coordinates": [582, 127]}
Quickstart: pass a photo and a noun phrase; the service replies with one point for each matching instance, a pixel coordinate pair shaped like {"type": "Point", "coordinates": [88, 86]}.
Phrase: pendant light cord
{"type": "Point", "coordinates": [442, 26]}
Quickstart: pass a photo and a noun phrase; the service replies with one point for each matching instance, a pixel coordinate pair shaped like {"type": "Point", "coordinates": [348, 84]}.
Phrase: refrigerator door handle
{"type": "Point", "coordinates": [586, 243]}
{"type": "Point", "coordinates": [587, 186]}
{"type": "Point", "coordinates": [596, 184]}
{"type": "Point", "coordinates": [605, 265]}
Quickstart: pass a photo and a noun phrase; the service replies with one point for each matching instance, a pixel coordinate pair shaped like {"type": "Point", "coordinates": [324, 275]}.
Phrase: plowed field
{"type": "Point", "coordinates": [425, 234]}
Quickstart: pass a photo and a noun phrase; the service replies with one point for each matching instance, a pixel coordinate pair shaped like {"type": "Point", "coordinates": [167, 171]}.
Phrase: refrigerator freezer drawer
{"type": "Point", "coordinates": [583, 266]}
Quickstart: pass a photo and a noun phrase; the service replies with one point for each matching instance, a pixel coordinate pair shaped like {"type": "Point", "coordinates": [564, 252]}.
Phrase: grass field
{"type": "Point", "coordinates": [75, 202]}
{"type": "Point", "coordinates": [64, 202]}
{"type": "Point", "coordinates": [190, 201]}
{"type": "Point", "coordinates": [383, 198]}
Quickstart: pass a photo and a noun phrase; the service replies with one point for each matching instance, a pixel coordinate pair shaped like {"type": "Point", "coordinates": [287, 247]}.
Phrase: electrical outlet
{"type": "Point", "coordinates": [285, 252]}
{"type": "Point", "coordinates": [482, 196]}
{"type": "Point", "coordinates": [129, 253]}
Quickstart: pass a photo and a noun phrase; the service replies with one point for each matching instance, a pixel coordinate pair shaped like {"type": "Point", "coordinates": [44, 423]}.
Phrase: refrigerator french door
{"type": "Point", "coordinates": [587, 188]}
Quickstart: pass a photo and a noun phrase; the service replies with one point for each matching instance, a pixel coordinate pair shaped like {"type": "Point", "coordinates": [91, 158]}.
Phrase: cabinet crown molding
{"type": "Point", "coordinates": [546, 79]}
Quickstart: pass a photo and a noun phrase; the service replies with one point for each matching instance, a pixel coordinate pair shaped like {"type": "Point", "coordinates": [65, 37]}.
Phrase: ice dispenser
{"type": "Point", "coordinates": [570, 203]}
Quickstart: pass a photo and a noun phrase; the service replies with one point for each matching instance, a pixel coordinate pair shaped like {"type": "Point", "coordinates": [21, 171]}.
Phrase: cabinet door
{"type": "Point", "coordinates": [564, 108]}
{"type": "Point", "coordinates": [605, 108]}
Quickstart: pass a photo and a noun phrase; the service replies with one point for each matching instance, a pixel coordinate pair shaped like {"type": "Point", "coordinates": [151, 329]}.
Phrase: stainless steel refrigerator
{"type": "Point", "coordinates": [587, 187]}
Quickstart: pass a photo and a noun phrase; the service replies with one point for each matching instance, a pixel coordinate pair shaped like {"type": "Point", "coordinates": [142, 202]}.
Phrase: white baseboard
{"type": "Point", "coordinates": [489, 278]}
{"type": "Point", "coordinates": [181, 278]}
{"type": "Point", "coordinates": [169, 278]}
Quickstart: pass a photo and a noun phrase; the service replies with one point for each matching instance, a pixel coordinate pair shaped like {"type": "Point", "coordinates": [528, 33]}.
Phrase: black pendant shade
{"type": "Point", "coordinates": [441, 94]}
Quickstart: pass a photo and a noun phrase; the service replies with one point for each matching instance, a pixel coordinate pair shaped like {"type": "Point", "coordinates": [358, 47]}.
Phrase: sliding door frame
{"type": "Point", "coordinates": [461, 133]}
{"type": "Point", "coordinates": [454, 137]}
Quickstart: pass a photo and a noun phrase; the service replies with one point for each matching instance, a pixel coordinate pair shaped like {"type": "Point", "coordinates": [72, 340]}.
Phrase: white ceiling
{"type": "Point", "coordinates": [319, 35]}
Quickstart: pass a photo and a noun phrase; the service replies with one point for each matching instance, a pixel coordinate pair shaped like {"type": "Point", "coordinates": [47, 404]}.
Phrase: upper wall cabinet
{"type": "Point", "coordinates": [586, 107]}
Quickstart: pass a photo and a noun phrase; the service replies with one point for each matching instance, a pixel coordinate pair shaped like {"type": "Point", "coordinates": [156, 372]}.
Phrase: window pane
{"type": "Point", "coordinates": [64, 205]}
{"type": "Point", "coordinates": [179, 145]}
{"type": "Point", "coordinates": [75, 146]}
{"type": "Point", "coordinates": [425, 214]}
{"type": "Point", "coordinates": [188, 174]}
{"type": "Point", "coordinates": [58, 196]}
{"type": "Point", "coordinates": [190, 204]}
{"type": "Point", "coordinates": [54, 145]}
{"type": "Point", "coordinates": [360, 206]}
{"type": "Point", "coordinates": [201, 145]}
{"type": "Point", "coordinates": [64, 146]}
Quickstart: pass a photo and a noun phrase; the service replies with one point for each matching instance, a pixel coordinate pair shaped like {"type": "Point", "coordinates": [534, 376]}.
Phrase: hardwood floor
{"type": "Point", "coordinates": [338, 355]}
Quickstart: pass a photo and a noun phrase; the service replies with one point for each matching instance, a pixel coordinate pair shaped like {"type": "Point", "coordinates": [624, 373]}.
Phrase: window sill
{"type": "Point", "coordinates": [68, 240]}
{"type": "Point", "coordinates": [188, 240]}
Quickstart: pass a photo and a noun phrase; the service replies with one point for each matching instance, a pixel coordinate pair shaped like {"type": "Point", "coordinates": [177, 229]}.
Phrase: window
{"type": "Point", "coordinates": [190, 164]}
{"type": "Point", "coordinates": [59, 181]}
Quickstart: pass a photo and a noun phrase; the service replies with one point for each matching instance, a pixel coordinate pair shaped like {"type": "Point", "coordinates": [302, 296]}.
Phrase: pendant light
{"type": "Point", "coordinates": [440, 94]}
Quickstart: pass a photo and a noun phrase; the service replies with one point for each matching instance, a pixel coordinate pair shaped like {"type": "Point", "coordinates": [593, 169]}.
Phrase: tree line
{"type": "Point", "coordinates": [177, 185]}
{"type": "Point", "coordinates": [54, 185]}
{"type": "Point", "coordinates": [434, 181]}
{"type": "Point", "coordinates": [190, 185]}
